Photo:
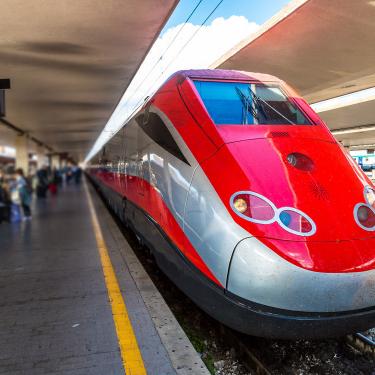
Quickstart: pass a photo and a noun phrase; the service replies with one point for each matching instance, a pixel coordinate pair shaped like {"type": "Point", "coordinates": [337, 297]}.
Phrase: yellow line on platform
{"type": "Point", "coordinates": [130, 353]}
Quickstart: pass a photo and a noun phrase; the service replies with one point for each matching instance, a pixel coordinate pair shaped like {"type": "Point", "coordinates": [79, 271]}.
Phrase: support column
{"type": "Point", "coordinates": [63, 160]}
{"type": "Point", "coordinates": [55, 161]}
{"type": "Point", "coordinates": [22, 153]}
{"type": "Point", "coordinates": [63, 163]}
{"type": "Point", "coordinates": [41, 157]}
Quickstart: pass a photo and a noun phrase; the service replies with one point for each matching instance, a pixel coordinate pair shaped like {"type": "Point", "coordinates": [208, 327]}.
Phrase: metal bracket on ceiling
{"type": "Point", "coordinates": [4, 85]}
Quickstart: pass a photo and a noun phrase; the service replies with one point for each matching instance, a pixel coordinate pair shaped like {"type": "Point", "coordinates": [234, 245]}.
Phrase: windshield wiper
{"type": "Point", "coordinates": [246, 107]}
{"type": "Point", "coordinates": [258, 102]}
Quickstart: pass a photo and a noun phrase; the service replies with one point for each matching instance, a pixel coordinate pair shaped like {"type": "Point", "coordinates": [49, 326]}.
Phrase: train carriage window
{"type": "Point", "coordinates": [155, 128]}
{"type": "Point", "coordinates": [244, 103]}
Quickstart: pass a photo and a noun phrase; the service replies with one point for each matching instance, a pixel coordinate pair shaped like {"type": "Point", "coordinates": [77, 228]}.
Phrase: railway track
{"type": "Point", "coordinates": [252, 357]}
{"type": "Point", "coordinates": [362, 343]}
{"type": "Point", "coordinates": [251, 360]}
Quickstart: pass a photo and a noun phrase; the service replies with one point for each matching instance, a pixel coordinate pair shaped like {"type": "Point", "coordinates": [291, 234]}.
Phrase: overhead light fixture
{"type": "Point", "coordinates": [4, 84]}
{"type": "Point", "coordinates": [345, 100]}
{"type": "Point", "coordinates": [357, 129]}
{"type": "Point", "coordinates": [363, 146]}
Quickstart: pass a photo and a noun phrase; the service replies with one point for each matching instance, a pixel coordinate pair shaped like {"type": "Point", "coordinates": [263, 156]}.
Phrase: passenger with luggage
{"type": "Point", "coordinates": [42, 182]}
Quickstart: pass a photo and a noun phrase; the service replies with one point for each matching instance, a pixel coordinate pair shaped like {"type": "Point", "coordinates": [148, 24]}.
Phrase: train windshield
{"type": "Point", "coordinates": [239, 103]}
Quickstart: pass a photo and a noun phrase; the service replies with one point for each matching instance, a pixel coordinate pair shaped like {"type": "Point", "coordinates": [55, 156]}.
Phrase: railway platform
{"type": "Point", "coordinates": [75, 299]}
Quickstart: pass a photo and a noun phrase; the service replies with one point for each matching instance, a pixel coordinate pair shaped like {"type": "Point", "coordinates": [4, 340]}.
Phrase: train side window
{"type": "Point", "coordinates": [156, 129]}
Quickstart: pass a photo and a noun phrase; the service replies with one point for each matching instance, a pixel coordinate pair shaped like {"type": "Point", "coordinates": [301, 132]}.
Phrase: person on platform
{"type": "Point", "coordinates": [42, 182]}
{"type": "Point", "coordinates": [54, 181]}
{"type": "Point", "coordinates": [68, 174]}
{"type": "Point", "coordinates": [5, 201]}
{"type": "Point", "coordinates": [77, 174]}
{"type": "Point", "coordinates": [25, 193]}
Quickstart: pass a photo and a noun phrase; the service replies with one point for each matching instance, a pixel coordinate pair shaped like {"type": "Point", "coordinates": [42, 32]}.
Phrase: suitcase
{"type": "Point", "coordinates": [52, 188]}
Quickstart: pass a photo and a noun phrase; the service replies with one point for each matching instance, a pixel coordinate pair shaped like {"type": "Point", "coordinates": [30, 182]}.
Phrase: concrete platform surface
{"type": "Point", "coordinates": [55, 314]}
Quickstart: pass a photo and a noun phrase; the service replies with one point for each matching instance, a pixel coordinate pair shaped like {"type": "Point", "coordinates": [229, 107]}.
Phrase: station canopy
{"type": "Point", "coordinates": [70, 62]}
{"type": "Point", "coordinates": [324, 49]}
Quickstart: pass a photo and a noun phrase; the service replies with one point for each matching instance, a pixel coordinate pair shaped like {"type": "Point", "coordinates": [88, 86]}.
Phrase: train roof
{"type": "Point", "coordinates": [226, 74]}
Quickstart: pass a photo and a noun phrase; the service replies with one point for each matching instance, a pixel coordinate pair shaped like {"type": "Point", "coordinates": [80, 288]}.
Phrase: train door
{"type": "Point", "coordinates": [131, 158]}
{"type": "Point", "coordinates": [137, 182]}
{"type": "Point", "coordinates": [143, 163]}
{"type": "Point", "coordinates": [122, 163]}
{"type": "Point", "coordinates": [114, 156]}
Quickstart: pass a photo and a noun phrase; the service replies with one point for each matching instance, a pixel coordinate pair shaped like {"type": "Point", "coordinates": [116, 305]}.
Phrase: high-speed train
{"type": "Point", "coordinates": [249, 204]}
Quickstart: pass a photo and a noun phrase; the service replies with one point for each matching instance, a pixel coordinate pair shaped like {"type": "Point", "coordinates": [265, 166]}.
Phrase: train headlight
{"type": "Point", "coordinates": [240, 205]}
{"type": "Point", "coordinates": [364, 213]}
{"type": "Point", "coordinates": [296, 221]}
{"type": "Point", "coordinates": [364, 216]}
{"type": "Point", "coordinates": [370, 196]}
{"type": "Point", "coordinates": [258, 209]}
{"type": "Point", "coordinates": [253, 207]}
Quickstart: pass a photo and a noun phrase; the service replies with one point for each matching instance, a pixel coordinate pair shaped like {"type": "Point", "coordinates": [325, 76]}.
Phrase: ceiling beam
{"type": "Point", "coordinates": [23, 132]}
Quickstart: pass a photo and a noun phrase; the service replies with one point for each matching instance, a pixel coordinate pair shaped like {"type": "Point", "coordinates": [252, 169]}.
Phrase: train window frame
{"type": "Point", "coordinates": [160, 134]}
{"type": "Point", "coordinates": [146, 114]}
{"type": "Point", "coordinates": [271, 84]}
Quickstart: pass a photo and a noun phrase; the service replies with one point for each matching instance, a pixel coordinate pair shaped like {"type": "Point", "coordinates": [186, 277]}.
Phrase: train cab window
{"type": "Point", "coordinates": [244, 103]}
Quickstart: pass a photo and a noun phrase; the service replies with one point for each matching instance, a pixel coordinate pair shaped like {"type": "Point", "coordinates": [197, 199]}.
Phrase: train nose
{"type": "Point", "coordinates": [295, 173]}
{"type": "Point", "coordinates": [259, 275]}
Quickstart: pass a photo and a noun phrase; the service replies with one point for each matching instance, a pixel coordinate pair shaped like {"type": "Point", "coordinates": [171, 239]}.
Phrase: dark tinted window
{"type": "Point", "coordinates": [155, 128]}
{"type": "Point", "coordinates": [245, 103]}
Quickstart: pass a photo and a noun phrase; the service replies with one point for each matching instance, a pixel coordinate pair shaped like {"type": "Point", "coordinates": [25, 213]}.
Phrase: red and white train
{"type": "Point", "coordinates": [249, 204]}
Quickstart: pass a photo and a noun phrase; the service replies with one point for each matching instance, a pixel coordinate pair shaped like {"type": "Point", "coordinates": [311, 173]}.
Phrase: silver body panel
{"type": "Point", "coordinates": [261, 276]}
{"type": "Point", "coordinates": [170, 176]}
{"type": "Point", "coordinates": [209, 226]}
{"type": "Point", "coordinates": [191, 199]}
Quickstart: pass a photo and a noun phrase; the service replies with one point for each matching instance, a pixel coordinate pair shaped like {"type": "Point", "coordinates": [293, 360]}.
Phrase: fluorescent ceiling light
{"type": "Point", "coordinates": [358, 129]}
{"type": "Point", "coordinates": [365, 146]}
{"type": "Point", "coordinates": [345, 100]}
{"type": "Point", "coordinates": [7, 151]}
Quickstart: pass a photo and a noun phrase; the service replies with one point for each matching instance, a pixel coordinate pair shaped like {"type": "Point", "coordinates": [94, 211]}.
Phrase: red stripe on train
{"type": "Point", "coordinates": [144, 195]}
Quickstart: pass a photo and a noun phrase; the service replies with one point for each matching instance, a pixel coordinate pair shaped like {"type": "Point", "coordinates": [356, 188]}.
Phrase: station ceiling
{"type": "Point", "coordinates": [322, 48]}
{"type": "Point", "coordinates": [70, 61]}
